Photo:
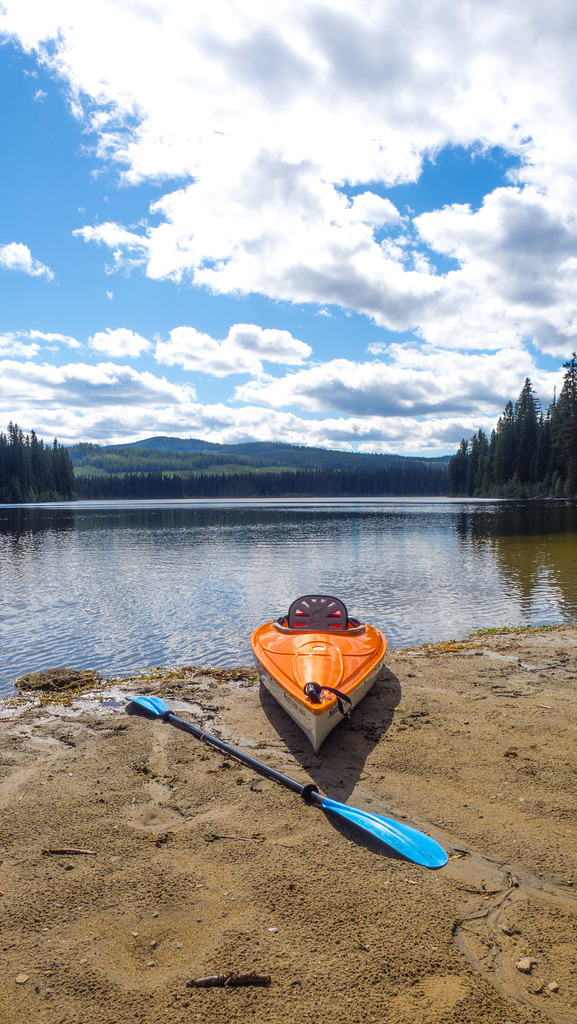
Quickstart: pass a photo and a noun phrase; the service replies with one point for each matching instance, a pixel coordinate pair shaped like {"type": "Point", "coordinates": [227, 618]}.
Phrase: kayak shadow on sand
{"type": "Point", "coordinates": [339, 764]}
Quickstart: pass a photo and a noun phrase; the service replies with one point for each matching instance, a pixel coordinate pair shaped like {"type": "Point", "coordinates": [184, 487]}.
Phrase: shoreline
{"type": "Point", "coordinates": [199, 867]}
{"type": "Point", "coordinates": [24, 697]}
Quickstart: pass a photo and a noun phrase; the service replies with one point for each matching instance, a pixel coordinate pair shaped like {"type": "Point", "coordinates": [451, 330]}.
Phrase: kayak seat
{"type": "Point", "coordinates": [317, 611]}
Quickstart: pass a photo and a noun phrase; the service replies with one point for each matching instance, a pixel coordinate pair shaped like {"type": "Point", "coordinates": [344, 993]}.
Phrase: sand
{"type": "Point", "coordinates": [197, 867]}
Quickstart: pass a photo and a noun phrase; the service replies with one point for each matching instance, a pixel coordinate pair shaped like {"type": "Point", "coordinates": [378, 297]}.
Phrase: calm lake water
{"type": "Point", "coordinates": [127, 585]}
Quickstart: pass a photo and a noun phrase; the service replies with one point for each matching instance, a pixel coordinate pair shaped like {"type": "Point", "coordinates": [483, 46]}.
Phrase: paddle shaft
{"type": "Point", "coordinates": [309, 793]}
{"type": "Point", "coordinates": [413, 845]}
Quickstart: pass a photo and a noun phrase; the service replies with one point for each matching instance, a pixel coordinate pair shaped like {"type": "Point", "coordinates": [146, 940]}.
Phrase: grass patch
{"type": "Point", "coordinates": [466, 642]}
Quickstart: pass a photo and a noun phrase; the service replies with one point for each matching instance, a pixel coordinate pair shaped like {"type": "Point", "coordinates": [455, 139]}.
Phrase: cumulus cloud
{"type": "Point", "coordinates": [76, 385]}
{"type": "Point", "coordinates": [518, 275]}
{"type": "Point", "coordinates": [287, 103]}
{"type": "Point", "coordinates": [108, 403]}
{"type": "Point", "coordinates": [242, 351]}
{"type": "Point", "coordinates": [16, 256]}
{"type": "Point", "coordinates": [55, 339]}
{"type": "Point", "coordinates": [13, 345]}
{"type": "Point", "coordinates": [414, 383]}
{"type": "Point", "coordinates": [120, 343]}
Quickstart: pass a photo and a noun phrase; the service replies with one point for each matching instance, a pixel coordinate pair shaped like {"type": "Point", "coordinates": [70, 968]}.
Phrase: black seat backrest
{"type": "Point", "coordinates": [317, 611]}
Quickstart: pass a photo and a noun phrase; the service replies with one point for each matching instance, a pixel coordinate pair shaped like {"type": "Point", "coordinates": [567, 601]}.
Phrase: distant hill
{"type": "Point", "coordinates": [192, 455]}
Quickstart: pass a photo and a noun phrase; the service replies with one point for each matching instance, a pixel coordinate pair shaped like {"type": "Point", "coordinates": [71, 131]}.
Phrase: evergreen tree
{"type": "Point", "coordinates": [477, 452]}
{"type": "Point", "coordinates": [564, 430]}
{"type": "Point", "coordinates": [505, 447]}
{"type": "Point", "coordinates": [527, 427]}
{"type": "Point", "coordinates": [30, 471]}
{"type": "Point", "coordinates": [458, 469]}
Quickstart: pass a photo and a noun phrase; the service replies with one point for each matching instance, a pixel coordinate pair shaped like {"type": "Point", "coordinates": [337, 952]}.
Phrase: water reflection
{"type": "Point", "coordinates": [534, 546]}
{"type": "Point", "coordinates": [517, 518]}
{"type": "Point", "coordinates": [134, 584]}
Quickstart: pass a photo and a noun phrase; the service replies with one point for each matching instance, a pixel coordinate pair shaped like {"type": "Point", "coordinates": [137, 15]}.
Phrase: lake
{"type": "Point", "coordinates": [122, 586]}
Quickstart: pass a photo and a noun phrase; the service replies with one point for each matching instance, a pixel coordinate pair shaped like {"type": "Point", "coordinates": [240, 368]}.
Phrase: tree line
{"type": "Point", "coordinates": [416, 479]}
{"type": "Point", "coordinates": [529, 453]}
{"type": "Point", "coordinates": [32, 471]}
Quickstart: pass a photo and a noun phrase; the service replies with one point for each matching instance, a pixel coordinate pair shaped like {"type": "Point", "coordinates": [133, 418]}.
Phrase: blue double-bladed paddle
{"type": "Point", "coordinates": [412, 844]}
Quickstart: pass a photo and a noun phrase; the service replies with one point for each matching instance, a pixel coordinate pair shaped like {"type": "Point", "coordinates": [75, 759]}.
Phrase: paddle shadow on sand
{"type": "Point", "coordinates": [339, 764]}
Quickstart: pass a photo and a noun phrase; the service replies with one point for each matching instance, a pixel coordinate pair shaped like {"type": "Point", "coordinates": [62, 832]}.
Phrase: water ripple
{"type": "Point", "coordinates": [133, 585]}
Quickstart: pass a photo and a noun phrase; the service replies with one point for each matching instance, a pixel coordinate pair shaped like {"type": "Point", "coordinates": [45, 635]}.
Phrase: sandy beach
{"type": "Point", "coordinates": [194, 866]}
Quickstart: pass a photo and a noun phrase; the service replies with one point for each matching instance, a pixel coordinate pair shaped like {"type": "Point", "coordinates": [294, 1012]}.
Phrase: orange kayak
{"type": "Point", "coordinates": [318, 662]}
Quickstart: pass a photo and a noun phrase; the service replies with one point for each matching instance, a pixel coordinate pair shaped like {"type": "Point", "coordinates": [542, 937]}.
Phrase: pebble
{"type": "Point", "coordinates": [273, 930]}
{"type": "Point", "coordinates": [553, 986]}
{"type": "Point", "coordinates": [134, 935]}
{"type": "Point", "coordinates": [525, 964]}
{"type": "Point", "coordinates": [20, 979]}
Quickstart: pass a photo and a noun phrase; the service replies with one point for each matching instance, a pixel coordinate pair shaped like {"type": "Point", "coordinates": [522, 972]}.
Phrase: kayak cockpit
{"type": "Point", "coordinates": [319, 613]}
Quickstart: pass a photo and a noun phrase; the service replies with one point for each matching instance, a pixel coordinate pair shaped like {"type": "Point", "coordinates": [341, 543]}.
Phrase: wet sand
{"type": "Point", "coordinates": [197, 866]}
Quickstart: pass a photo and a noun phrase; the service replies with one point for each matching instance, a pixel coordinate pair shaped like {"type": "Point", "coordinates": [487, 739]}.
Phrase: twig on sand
{"type": "Point", "coordinates": [67, 851]}
{"type": "Point", "coordinates": [212, 836]}
{"type": "Point", "coordinates": [229, 980]}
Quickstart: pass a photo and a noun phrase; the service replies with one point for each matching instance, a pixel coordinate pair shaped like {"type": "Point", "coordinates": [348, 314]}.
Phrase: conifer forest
{"type": "Point", "coordinates": [32, 471]}
{"type": "Point", "coordinates": [529, 454]}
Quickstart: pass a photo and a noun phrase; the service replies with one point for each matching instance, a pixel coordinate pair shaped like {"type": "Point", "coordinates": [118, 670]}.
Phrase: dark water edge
{"type": "Point", "coordinates": [120, 586]}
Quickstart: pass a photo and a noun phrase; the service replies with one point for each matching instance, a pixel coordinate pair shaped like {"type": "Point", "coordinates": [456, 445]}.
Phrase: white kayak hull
{"type": "Point", "coordinates": [316, 727]}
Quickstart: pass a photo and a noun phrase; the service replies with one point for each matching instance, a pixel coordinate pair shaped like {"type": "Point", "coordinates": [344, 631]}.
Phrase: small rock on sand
{"type": "Point", "coordinates": [525, 964]}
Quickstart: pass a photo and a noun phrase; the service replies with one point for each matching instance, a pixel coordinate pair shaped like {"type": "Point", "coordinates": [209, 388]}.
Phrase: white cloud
{"type": "Point", "coordinates": [368, 208]}
{"type": "Point", "coordinates": [16, 256]}
{"type": "Point", "coordinates": [109, 404]}
{"type": "Point", "coordinates": [77, 385]}
{"type": "Point", "coordinates": [424, 382]}
{"type": "Point", "coordinates": [120, 343]}
{"type": "Point", "coordinates": [13, 345]}
{"type": "Point", "coordinates": [242, 351]}
{"type": "Point", "coordinates": [55, 339]}
{"type": "Point", "coordinates": [25, 343]}
{"type": "Point", "coordinates": [285, 103]}
{"type": "Point", "coordinates": [518, 276]}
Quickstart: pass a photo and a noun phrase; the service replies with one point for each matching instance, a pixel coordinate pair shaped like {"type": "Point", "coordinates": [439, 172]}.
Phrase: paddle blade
{"type": "Point", "coordinates": [412, 844]}
{"type": "Point", "coordinates": [151, 707]}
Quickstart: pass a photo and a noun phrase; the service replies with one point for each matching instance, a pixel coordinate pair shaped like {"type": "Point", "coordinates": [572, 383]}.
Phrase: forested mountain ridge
{"type": "Point", "coordinates": [181, 455]}
{"type": "Point", "coordinates": [32, 471]}
{"type": "Point", "coordinates": [191, 468]}
{"type": "Point", "coordinates": [529, 454]}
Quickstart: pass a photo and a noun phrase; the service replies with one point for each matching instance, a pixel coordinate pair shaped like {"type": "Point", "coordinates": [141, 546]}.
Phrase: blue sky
{"type": "Point", "coordinates": [351, 226]}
